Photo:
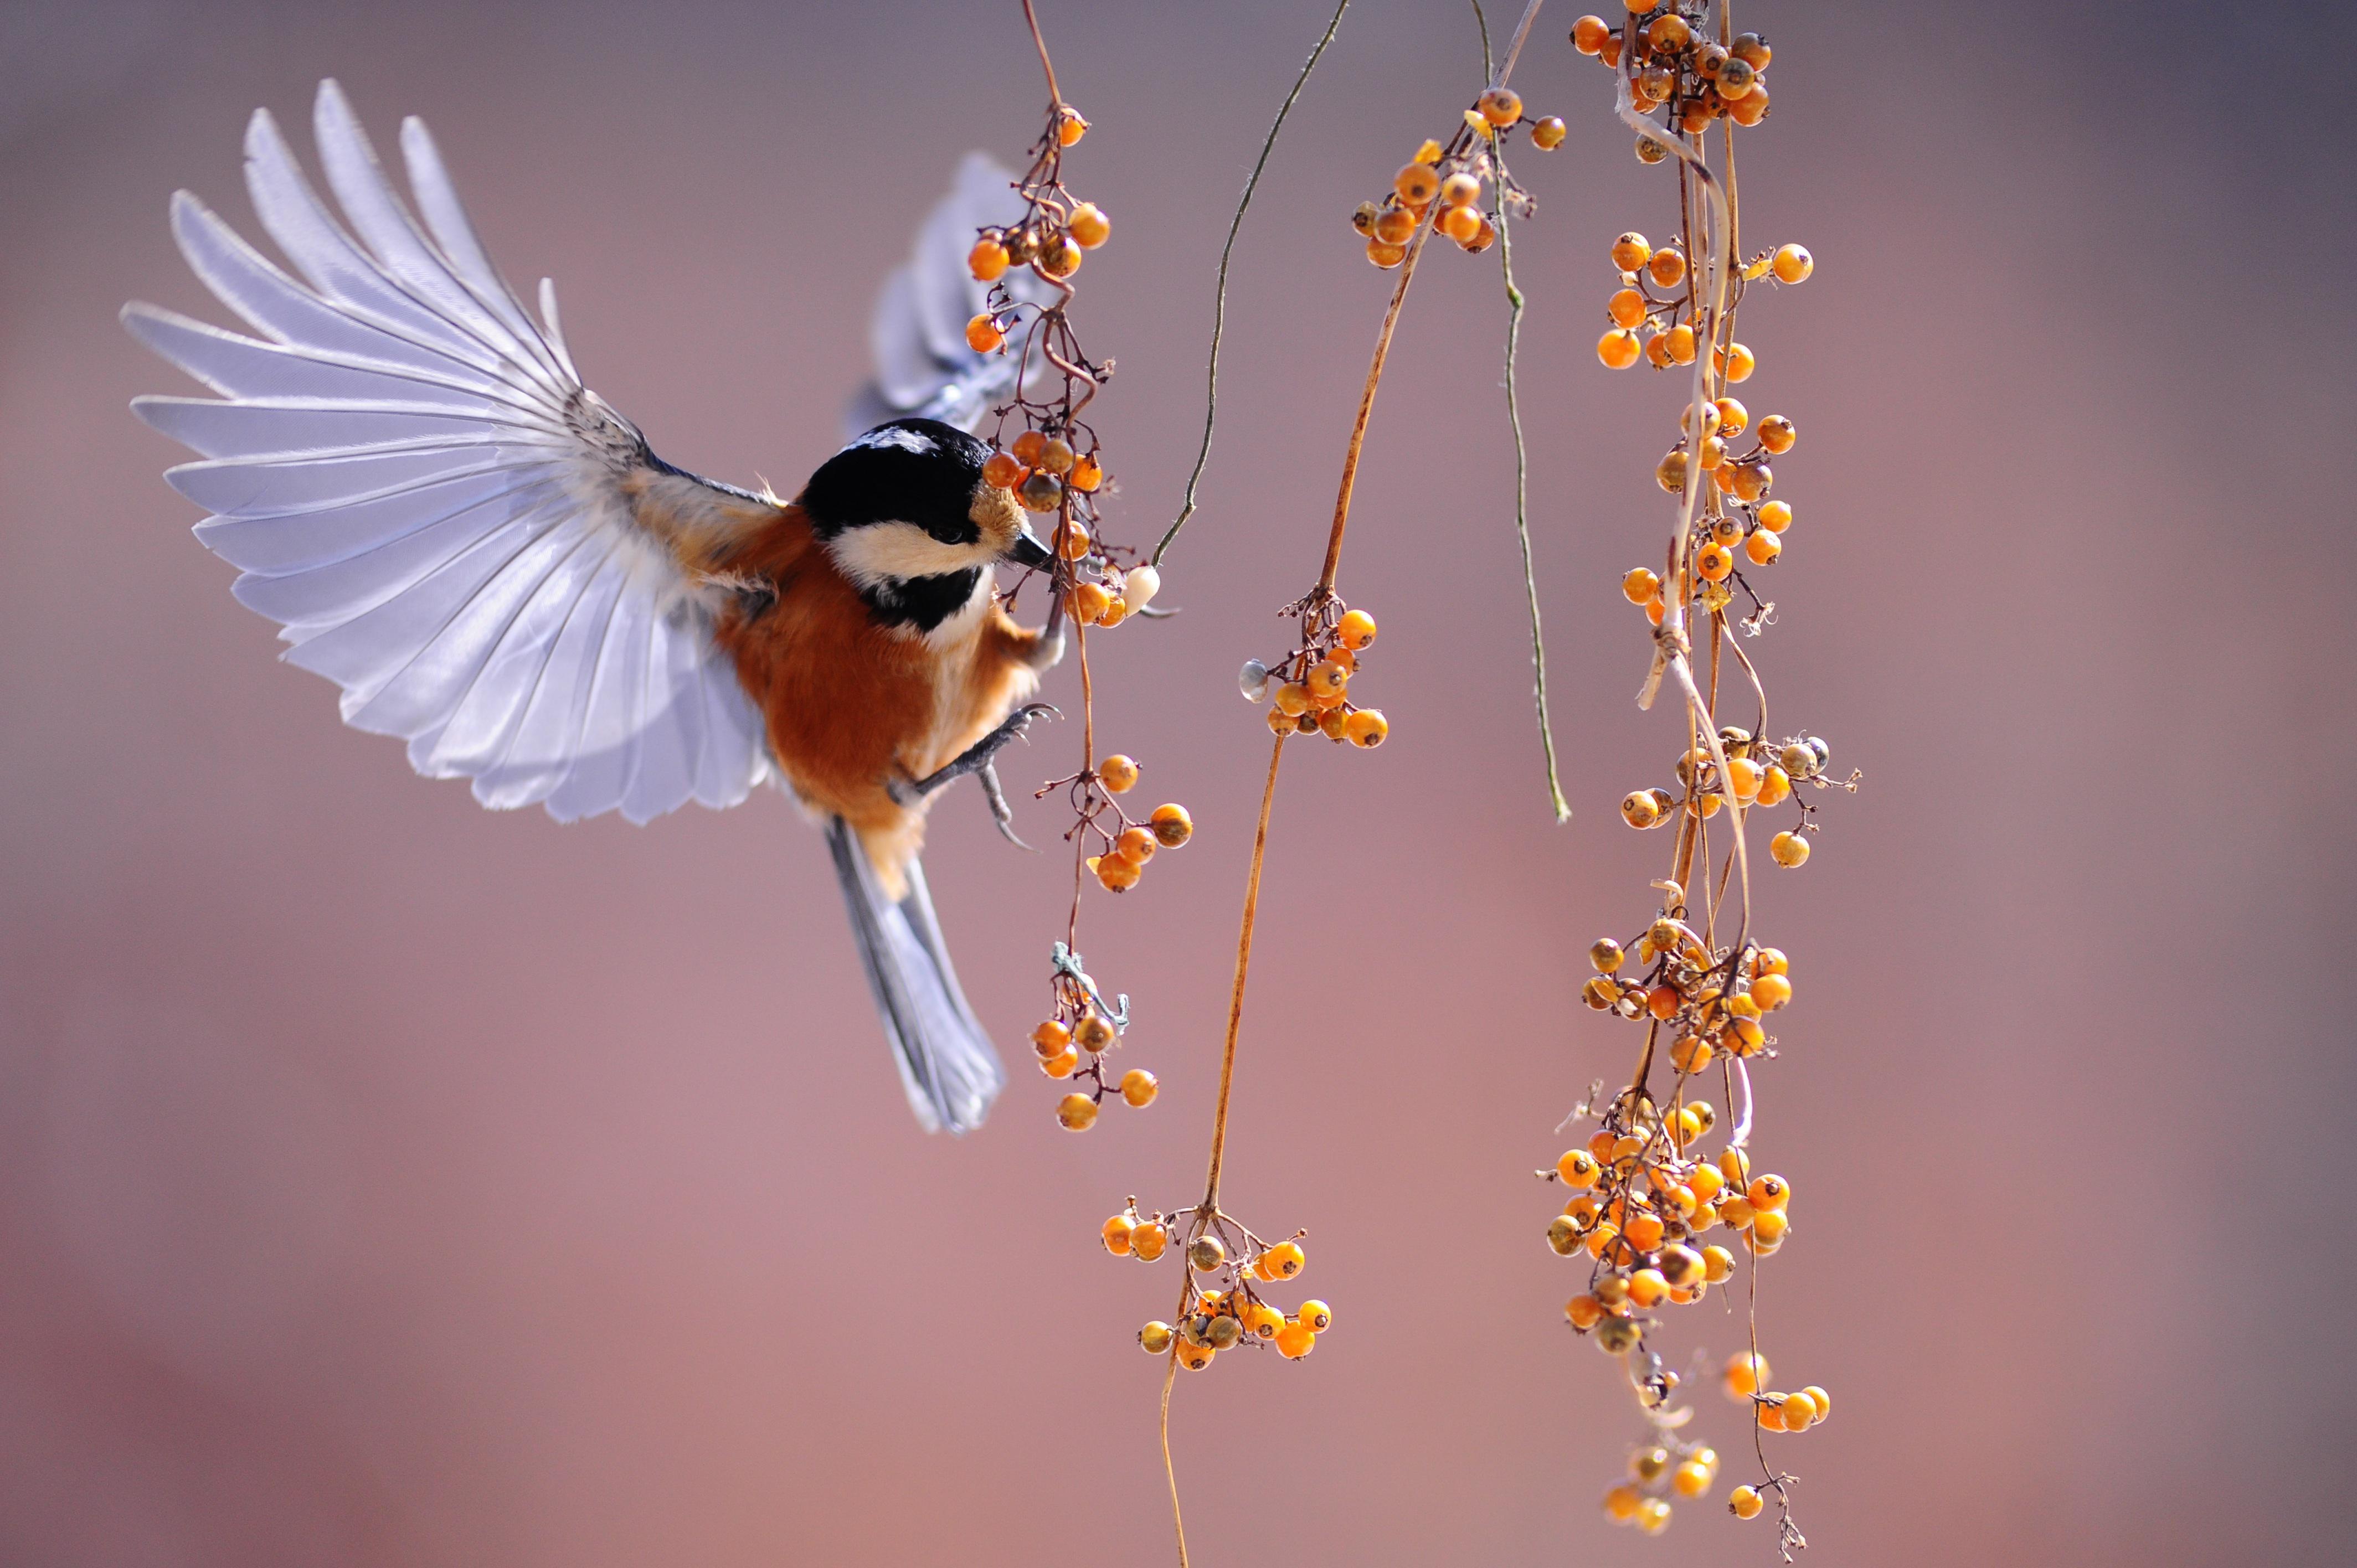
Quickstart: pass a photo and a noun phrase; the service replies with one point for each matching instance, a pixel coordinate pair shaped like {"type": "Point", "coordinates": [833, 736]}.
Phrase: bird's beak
{"type": "Point", "coordinates": [1027, 551]}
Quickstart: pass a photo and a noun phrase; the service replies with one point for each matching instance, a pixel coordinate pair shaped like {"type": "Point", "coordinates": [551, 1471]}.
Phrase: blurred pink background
{"type": "Point", "coordinates": [383, 1181]}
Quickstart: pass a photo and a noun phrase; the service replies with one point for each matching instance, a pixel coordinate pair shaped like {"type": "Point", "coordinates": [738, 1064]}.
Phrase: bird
{"type": "Point", "coordinates": [493, 564]}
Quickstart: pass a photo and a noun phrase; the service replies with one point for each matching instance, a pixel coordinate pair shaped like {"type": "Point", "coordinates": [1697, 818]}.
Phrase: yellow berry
{"type": "Point", "coordinates": [1089, 226]}
{"type": "Point", "coordinates": [1718, 1265]}
{"type": "Point", "coordinates": [1745, 1502]}
{"type": "Point", "coordinates": [1789, 848]}
{"type": "Point", "coordinates": [1793, 264]}
{"type": "Point", "coordinates": [1155, 1337]}
{"type": "Point", "coordinates": [1117, 773]}
{"type": "Point", "coordinates": [1653, 1514]}
{"type": "Point", "coordinates": [1171, 824]}
{"type": "Point", "coordinates": [1621, 1503]}
{"type": "Point", "coordinates": [1138, 1087]}
{"type": "Point", "coordinates": [987, 260]}
{"type": "Point", "coordinates": [1062, 1064]}
{"type": "Point", "coordinates": [1690, 1480]}
{"type": "Point", "coordinates": [1819, 1398]}
{"type": "Point", "coordinates": [1078, 1112]}
{"type": "Point", "coordinates": [1117, 1234]}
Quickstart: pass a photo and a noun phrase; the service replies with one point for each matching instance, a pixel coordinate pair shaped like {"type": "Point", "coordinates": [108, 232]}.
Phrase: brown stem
{"type": "Point", "coordinates": [1367, 407]}
{"type": "Point", "coordinates": [1055, 99]}
{"type": "Point", "coordinates": [1243, 964]}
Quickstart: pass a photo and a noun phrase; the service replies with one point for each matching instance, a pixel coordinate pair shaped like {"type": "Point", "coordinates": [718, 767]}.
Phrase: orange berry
{"type": "Point", "coordinates": [983, 336]}
{"type": "Point", "coordinates": [1627, 308]}
{"type": "Point", "coordinates": [1295, 1341]}
{"type": "Point", "coordinates": [1718, 1264]}
{"type": "Point", "coordinates": [1752, 107]}
{"type": "Point", "coordinates": [1772, 991]}
{"type": "Point", "coordinates": [1094, 1033]}
{"type": "Point", "coordinates": [1771, 1417]}
{"type": "Point", "coordinates": [1462, 224]}
{"type": "Point", "coordinates": [1775, 516]}
{"type": "Point", "coordinates": [1050, 1039]}
{"type": "Point", "coordinates": [1706, 1181]}
{"type": "Point", "coordinates": [1284, 1260]}
{"type": "Point", "coordinates": [1621, 1503]}
{"type": "Point", "coordinates": [1087, 602]}
{"type": "Point", "coordinates": [1078, 1112]}
{"type": "Point", "coordinates": [1417, 183]}
{"type": "Point", "coordinates": [1087, 473]}
{"type": "Point", "coordinates": [1002, 470]}
{"type": "Point", "coordinates": [1743, 1375]}
{"type": "Point", "coordinates": [1644, 1231]}
{"type": "Point", "coordinates": [1194, 1358]}
{"type": "Point", "coordinates": [1088, 226]}
{"type": "Point", "coordinates": [1156, 1337]}
{"type": "Point", "coordinates": [1743, 776]}
{"type": "Point", "coordinates": [1059, 258]}
{"type": "Point", "coordinates": [1070, 126]}
{"type": "Point", "coordinates": [1500, 105]}
{"type": "Point", "coordinates": [1117, 773]}
{"type": "Point", "coordinates": [1356, 629]}
{"type": "Point", "coordinates": [1601, 1237]}
{"type": "Point", "coordinates": [1769, 1227]}
{"type": "Point", "coordinates": [1394, 225]}
{"type": "Point", "coordinates": [1690, 1054]}
{"type": "Point", "coordinates": [1584, 1311]}
{"type": "Point", "coordinates": [1116, 873]}
{"type": "Point", "coordinates": [1386, 256]}
{"type": "Point", "coordinates": [1316, 1315]}
{"type": "Point", "coordinates": [1171, 824]}
{"type": "Point", "coordinates": [1819, 1398]}
{"type": "Point", "coordinates": [1789, 848]}
{"type": "Point", "coordinates": [1678, 342]}
{"type": "Point", "coordinates": [1548, 133]}
{"type": "Point", "coordinates": [1776, 787]}
{"type": "Point", "coordinates": [1618, 349]}
{"type": "Point", "coordinates": [1798, 1410]}
{"type": "Point", "coordinates": [1056, 455]}
{"type": "Point", "coordinates": [1672, 472]}
{"type": "Point", "coordinates": [1792, 264]}
{"type": "Point", "coordinates": [1631, 252]}
{"type": "Point", "coordinates": [1777, 433]}
{"type": "Point", "coordinates": [1147, 1241]}
{"type": "Point", "coordinates": [1062, 1064]}
{"type": "Point", "coordinates": [1577, 1168]}
{"type": "Point", "coordinates": [1366, 728]}
{"type": "Point", "coordinates": [1328, 681]}
{"type": "Point", "coordinates": [1734, 361]}
{"type": "Point", "coordinates": [987, 260]}
{"type": "Point", "coordinates": [1281, 722]}
{"type": "Point", "coordinates": [1745, 1502]}
{"type": "Point", "coordinates": [1732, 415]}
{"type": "Point", "coordinates": [1136, 843]}
{"type": "Point", "coordinates": [1588, 34]}
{"type": "Point", "coordinates": [1767, 1193]}
{"type": "Point", "coordinates": [1460, 191]}
{"type": "Point", "coordinates": [1263, 1321]}
{"type": "Point", "coordinates": [1638, 810]}
{"type": "Point", "coordinates": [1138, 1087]}
{"type": "Point", "coordinates": [1714, 562]}
{"type": "Point", "coordinates": [1667, 267]}
{"type": "Point", "coordinates": [1763, 547]}
{"type": "Point", "coordinates": [1117, 1234]}
{"type": "Point", "coordinates": [1669, 35]}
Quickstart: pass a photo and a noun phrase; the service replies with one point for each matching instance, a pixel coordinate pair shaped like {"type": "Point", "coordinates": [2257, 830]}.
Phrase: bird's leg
{"type": "Point", "coordinates": [973, 758]}
{"type": "Point", "coordinates": [997, 799]}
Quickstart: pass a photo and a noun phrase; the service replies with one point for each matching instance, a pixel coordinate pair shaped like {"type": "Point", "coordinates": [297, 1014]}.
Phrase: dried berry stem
{"type": "Point", "coordinates": [1055, 98]}
{"type": "Point", "coordinates": [1522, 512]}
{"type": "Point", "coordinates": [1366, 409]}
{"type": "Point", "coordinates": [1219, 295]}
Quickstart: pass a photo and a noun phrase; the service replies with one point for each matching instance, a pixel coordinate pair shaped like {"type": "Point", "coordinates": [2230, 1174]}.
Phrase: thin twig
{"type": "Point", "coordinates": [1055, 99]}
{"type": "Point", "coordinates": [1220, 295]}
{"type": "Point", "coordinates": [1522, 513]}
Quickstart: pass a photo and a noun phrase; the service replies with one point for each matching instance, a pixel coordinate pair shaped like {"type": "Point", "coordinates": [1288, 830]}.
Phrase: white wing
{"type": "Point", "coordinates": [446, 521]}
{"type": "Point", "coordinates": [923, 367]}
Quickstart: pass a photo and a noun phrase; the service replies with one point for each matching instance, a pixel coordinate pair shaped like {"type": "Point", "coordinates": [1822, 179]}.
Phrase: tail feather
{"type": "Point", "coordinates": [947, 1063]}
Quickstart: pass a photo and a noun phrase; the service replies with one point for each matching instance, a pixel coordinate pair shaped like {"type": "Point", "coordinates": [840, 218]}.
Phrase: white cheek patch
{"type": "Point", "coordinates": [880, 552]}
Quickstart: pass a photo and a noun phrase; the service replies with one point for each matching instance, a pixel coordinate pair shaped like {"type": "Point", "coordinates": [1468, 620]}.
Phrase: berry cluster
{"type": "Point", "coordinates": [1661, 1468]}
{"type": "Point", "coordinates": [1743, 1380]}
{"type": "Point", "coordinates": [1221, 1305]}
{"type": "Point", "coordinates": [1053, 464]}
{"type": "Point", "coordinates": [1697, 80]}
{"type": "Point", "coordinates": [1444, 184]}
{"type": "Point", "coordinates": [1314, 696]}
{"type": "Point", "coordinates": [1710, 1000]}
{"type": "Point", "coordinates": [1758, 774]}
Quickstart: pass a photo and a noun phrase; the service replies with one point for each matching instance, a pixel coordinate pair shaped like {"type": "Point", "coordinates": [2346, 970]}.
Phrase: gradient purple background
{"type": "Point", "coordinates": [382, 1181]}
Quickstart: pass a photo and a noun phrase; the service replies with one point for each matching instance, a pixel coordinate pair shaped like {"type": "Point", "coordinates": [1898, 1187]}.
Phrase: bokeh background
{"type": "Point", "coordinates": [383, 1181]}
